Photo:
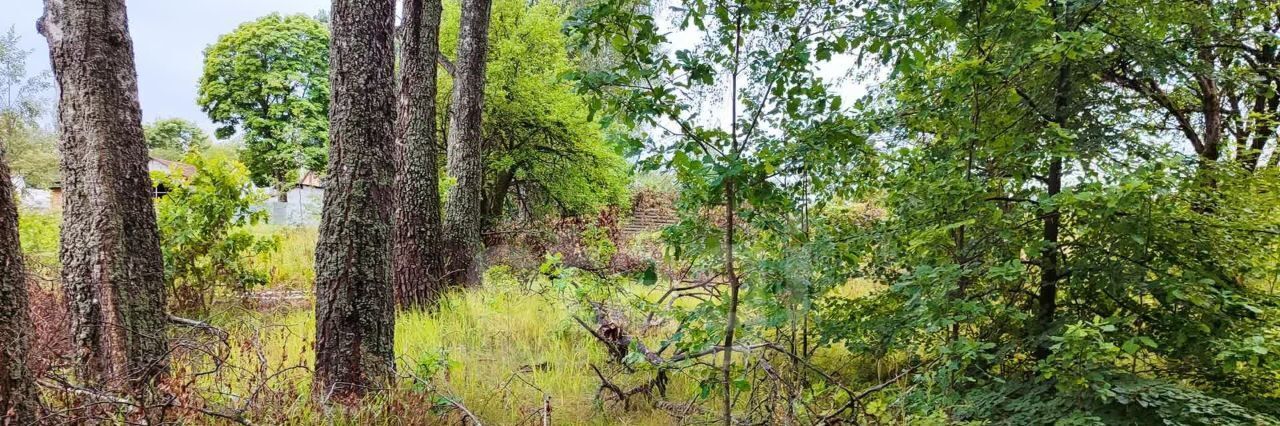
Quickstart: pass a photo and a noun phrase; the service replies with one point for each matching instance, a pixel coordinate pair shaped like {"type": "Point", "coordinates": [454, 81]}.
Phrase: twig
{"type": "Point", "coordinates": [465, 412]}
{"type": "Point", "coordinates": [854, 399]}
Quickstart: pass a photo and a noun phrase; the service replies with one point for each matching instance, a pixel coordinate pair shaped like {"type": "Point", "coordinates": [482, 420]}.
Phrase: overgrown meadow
{"type": "Point", "coordinates": [687, 212]}
{"type": "Point", "coordinates": [509, 351]}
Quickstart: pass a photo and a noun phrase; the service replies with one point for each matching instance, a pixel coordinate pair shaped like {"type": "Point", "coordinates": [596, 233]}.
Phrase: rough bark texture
{"type": "Point", "coordinates": [18, 404]}
{"type": "Point", "coordinates": [355, 312]}
{"type": "Point", "coordinates": [416, 260]}
{"type": "Point", "coordinates": [462, 218]}
{"type": "Point", "coordinates": [110, 250]}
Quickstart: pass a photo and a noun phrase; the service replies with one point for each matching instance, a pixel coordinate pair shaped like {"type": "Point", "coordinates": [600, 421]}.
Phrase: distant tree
{"type": "Point", "coordinates": [21, 93]}
{"type": "Point", "coordinates": [267, 80]}
{"type": "Point", "coordinates": [33, 154]}
{"type": "Point", "coordinates": [31, 151]}
{"type": "Point", "coordinates": [176, 134]}
{"type": "Point", "coordinates": [110, 248]}
{"type": "Point", "coordinates": [355, 312]}
{"type": "Point", "coordinates": [417, 226]}
{"type": "Point", "coordinates": [465, 165]}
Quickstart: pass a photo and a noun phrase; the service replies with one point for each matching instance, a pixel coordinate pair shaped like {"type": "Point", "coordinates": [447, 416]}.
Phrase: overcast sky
{"type": "Point", "coordinates": [169, 37]}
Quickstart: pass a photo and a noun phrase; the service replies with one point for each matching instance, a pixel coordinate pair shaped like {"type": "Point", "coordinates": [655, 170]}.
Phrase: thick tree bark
{"type": "Point", "coordinates": [355, 312]}
{"type": "Point", "coordinates": [416, 260]}
{"type": "Point", "coordinates": [462, 219]}
{"type": "Point", "coordinates": [110, 250]}
{"type": "Point", "coordinates": [18, 404]}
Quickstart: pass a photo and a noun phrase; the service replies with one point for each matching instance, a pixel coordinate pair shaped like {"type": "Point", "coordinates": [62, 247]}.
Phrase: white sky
{"type": "Point", "coordinates": [169, 37]}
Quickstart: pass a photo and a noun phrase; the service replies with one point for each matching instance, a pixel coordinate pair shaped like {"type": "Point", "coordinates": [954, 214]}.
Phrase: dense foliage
{"type": "Point", "coordinates": [269, 81]}
{"type": "Point", "coordinates": [205, 222]}
{"type": "Point", "coordinates": [1049, 251]}
{"type": "Point", "coordinates": [542, 151]}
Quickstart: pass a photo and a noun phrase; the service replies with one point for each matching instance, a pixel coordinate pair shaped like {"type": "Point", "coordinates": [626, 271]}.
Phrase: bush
{"type": "Point", "coordinates": [205, 222]}
{"type": "Point", "coordinates": [38, 233]}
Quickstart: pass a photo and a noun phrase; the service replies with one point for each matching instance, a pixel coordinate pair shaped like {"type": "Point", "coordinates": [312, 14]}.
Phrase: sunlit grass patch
{"type": "Point", "coordinates": [291, 266]}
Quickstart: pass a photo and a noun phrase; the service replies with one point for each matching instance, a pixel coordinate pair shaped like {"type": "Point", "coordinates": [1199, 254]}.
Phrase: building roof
{"type": "Point", "coordinates": [187, 169]}
{"type": "Point", "coordinates": [154, 164]}
{"type": "Point", "coordinates": [311, 179]}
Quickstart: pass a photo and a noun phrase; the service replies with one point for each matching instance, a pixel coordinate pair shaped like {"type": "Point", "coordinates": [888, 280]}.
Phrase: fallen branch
{"type": "Point", "coordinates": [467, 414]}
{"type": "Point", "coordinates": [200, 325]}
{"type": "Point", "coordinates": [624, 396]}
{"type": "Point", "coordinates": [855, 399]}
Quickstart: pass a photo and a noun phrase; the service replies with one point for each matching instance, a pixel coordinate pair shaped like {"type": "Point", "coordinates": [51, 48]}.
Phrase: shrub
{"type": "Point", "coordinates": [205, 222]}
{"type": "Point", "coordinates": [38, 233]}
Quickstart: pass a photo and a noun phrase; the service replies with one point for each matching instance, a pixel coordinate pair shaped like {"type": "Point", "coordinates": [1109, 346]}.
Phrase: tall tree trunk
{"type": "Point", "coordinates": [416, 259]}
{"type": "Point", "coordinates": [462, 217]}
{"type": "Point", "coordinates": [1051, 255]}
{"type": "Point", "coordinates": [110, 251]}
{"type": "Point", "coordinates": [18, 404]}
{"type": "Point", "coordinates": [355, 312]}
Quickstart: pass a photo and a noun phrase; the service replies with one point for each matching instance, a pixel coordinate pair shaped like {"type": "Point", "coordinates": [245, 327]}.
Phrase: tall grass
{"type": "Point", "coordinates": [502, 351]}
{"type": "Point", "coordinates": [291, 265]}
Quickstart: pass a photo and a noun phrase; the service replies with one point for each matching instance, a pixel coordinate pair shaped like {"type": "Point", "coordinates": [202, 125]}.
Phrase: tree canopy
{"type": "Point", "coordinates": [268, 81]}
{"type": "Point", "coordinates": [542, 149]}
{"type": "Point", "coordinates": [175, 137]}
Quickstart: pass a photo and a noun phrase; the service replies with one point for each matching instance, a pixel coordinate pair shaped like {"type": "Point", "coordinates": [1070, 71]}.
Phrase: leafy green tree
{"type": "Point", "coordinates": [175, 134]}
{"type": "Point", "coordinates": [31, 151]}
{"type": "Point", "coordinates": [544, 153]}
{"type": "Point", "coordinates": [1047, 248]}
{"type": "Point", "coordinates": [268, 80]}
{"type": "Point", "coordinates": [206, 221]}
{"type": "Point", "coordinates": [734, 117]}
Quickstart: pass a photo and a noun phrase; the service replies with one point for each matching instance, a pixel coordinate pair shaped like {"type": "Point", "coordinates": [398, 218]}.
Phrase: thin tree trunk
{"type": "Point", "coordinates": [110, 249]}
{"type": "Point", "coordinates": [416, 260]}
{"type": "Point", "coordinates": [462, 217]}
{"type": "Point", "coordinates": [730, 214]}
{"type": "Point", "coordinates": [1050, 255]}
{"type": "Point", "coordinates": [355, 312]}
{"type": "Point", "coordinates": [18, 403]}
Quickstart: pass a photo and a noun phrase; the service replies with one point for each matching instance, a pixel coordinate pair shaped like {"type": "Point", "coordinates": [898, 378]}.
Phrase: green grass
{"type": "Point", "coordinates": [291, 265]}
{"type": "Point", "coordinates": [499, 350]}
